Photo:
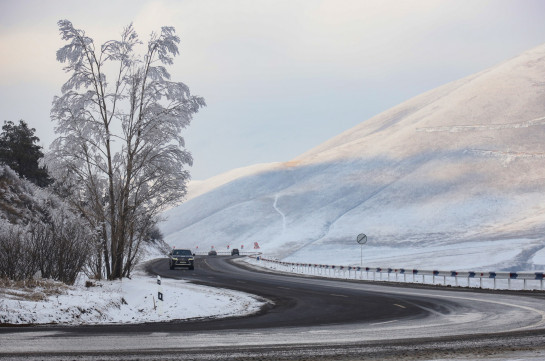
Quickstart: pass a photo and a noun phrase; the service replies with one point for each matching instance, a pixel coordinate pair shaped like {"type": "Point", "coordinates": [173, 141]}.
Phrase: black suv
{"type": "Point", "coordinates": [182, 258]}
{"type": "Point", "coordinates": [235, 252]}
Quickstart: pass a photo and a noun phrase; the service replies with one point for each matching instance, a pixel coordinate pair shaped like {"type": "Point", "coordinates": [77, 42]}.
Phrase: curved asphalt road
{"type": "Point", "coordinates": [297, 302]}
{"type": "Point", "coordinates": [309, 318]}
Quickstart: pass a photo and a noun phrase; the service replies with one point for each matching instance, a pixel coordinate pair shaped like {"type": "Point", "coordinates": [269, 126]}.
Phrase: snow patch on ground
{"type": "Point", "coordinates": [126, 301]}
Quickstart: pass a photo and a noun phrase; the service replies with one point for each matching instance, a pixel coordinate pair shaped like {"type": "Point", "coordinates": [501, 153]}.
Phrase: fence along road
{"type": "Point", "coordinates": [479, 279]}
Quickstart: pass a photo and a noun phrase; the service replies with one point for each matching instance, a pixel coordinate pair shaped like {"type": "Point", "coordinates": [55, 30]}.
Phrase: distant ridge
{"type": "Point", "coordinates": [457, 168]}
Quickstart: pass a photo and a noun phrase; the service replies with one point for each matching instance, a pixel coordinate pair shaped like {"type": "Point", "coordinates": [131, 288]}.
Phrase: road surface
{"type": "Point", "coordinates": [308, 319]}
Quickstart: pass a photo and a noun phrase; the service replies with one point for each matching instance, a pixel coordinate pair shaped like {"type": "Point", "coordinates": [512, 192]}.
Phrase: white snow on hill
{"type": "Point", "coordinates": [453, 178]}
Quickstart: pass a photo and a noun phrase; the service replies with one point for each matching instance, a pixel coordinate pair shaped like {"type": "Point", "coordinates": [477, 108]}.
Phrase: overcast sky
{"type": "Point", "coordinates": [279, 77]}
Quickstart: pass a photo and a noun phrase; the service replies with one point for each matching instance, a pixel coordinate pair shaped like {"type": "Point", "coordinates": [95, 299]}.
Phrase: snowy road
{"type": "Point", "coordinates": [309, 314]}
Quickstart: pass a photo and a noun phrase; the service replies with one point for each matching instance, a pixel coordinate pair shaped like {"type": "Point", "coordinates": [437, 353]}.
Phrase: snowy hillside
{"type": "Point", "coordinates": [453, 178]}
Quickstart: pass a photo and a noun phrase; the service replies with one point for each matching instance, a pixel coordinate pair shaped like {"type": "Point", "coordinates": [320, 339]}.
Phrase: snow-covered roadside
{"type": "Point", "coordinates": [128, 301]}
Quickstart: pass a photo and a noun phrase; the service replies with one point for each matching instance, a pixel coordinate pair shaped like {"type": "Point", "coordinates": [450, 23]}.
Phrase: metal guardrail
{"type": "Point", "coordinates": [459, 278]}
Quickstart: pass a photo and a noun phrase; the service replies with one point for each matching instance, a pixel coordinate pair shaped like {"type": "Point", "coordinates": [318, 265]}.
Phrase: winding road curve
{"type": "Point", "coordinates": [307, 319]}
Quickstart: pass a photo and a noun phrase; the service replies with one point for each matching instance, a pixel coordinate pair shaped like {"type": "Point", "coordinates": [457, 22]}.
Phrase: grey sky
{"type": "Point", "coordinates": [279, 77]}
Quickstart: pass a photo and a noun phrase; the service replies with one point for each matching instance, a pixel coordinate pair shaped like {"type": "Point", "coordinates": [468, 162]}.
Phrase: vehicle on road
{"type": "Point", "coordinates": [212, 253]}
{"type": "Point", "coordinates": [181, 258]}
{"type": "Point", "coordinates": [235, 252]}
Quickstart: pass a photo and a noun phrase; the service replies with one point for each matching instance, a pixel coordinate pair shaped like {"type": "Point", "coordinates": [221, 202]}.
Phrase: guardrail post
{"type": "Point", "coordinates": [524, 286]}
{"type": "Point", "coordinates": [509, 283]}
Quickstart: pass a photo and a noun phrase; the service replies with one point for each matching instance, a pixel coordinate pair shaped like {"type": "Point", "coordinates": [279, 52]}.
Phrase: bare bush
{"type": "Point", "coordinates": [61, 247]}
{"type": "Point", "coordinates": [16, 262]}
{"type": "Point", "coordinates": [47, 236]}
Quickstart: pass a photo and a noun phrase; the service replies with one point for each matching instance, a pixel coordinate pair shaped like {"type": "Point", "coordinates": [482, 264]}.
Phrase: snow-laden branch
{"type": "Point", "coordinates": [119, 144]}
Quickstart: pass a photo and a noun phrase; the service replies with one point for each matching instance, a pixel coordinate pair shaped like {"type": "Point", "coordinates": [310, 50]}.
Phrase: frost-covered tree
{"type": "Point", "coordinates": [119, 154]}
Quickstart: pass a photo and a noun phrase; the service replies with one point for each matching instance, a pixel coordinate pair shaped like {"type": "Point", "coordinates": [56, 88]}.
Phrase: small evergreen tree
{"type": "Point", "coordinates": [18, 150]}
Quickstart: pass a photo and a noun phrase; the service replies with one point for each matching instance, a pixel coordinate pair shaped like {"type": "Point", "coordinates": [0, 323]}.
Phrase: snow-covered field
{"type": "Point", "coordinates": [127, 301]}
{"type": "Point", "coordinates": [466, 256]}
{"type": "Point", "coordinates": [451, 179]}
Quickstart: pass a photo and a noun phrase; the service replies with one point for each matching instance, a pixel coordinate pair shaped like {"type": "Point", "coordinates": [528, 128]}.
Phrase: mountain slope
{"type": "Point", "coordinates": [453, 177]}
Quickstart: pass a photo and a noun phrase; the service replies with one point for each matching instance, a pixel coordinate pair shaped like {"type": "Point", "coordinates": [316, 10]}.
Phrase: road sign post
{"type": "Point", "coordinates": [361, 239]}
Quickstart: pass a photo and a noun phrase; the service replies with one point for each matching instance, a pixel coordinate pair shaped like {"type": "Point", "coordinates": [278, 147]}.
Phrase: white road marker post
{"type": "Point", "coordinates": [159, 296]}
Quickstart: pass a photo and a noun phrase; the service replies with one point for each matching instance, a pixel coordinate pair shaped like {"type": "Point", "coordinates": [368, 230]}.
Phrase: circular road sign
{"type": "Point", "coordinates": [362, 238]}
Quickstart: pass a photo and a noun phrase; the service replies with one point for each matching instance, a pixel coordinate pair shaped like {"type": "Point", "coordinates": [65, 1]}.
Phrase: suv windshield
{"type": "Point", "coordinates": [182, 252]}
